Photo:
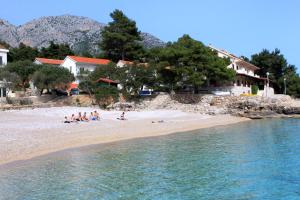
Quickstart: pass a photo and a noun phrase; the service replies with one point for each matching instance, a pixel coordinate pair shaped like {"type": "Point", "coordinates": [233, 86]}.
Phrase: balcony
{"type": "Point", "coordinates": [248, 73]}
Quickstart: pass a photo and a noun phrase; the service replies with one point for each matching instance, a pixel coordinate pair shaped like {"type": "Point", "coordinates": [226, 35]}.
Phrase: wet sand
{"type": "Point", "coordinates": [25, 134]}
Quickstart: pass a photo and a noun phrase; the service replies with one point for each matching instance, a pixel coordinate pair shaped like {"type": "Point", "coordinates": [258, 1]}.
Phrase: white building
{"type": "Point", "coordinates": [78, 65]}
{"type": "Point", "coordinates": [3, 56]}
{"type": "Point", "coordinates": [3, 62]}
{"type": "Point", "coordinates": [245, 77]}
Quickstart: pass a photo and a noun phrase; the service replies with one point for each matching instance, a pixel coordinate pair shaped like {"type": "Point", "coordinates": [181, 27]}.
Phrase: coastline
{"type": "Point", "coordinates": [40, 132]}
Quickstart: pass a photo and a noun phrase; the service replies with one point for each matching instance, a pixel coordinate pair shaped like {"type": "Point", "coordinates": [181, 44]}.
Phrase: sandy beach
{"type": "Point", "coordinates": [25, 134]}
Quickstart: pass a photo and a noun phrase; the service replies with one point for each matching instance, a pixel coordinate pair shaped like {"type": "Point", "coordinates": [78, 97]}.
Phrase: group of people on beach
{"type": "Point", "coordinates": [82, 117]}
{"type": "Point", "coordinates": [94, 116]}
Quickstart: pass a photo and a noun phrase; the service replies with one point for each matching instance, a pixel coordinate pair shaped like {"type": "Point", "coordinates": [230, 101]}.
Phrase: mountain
{"type": "Point", "coordinates": [81, 33]}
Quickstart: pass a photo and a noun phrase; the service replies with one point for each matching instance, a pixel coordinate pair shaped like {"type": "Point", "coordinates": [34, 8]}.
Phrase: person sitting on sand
{"type": "Point", "coordinates": [96, 115]}
{"type": "Point", "coordinates": [67, 121]}
{"type": "Point", "coordinates": [84, 117]}
{"type": "Point", "coordinates": [92, 117]}
{"type": "Point", "coordinates": [79, 117]}
{"type": "Point", "coordinates": [160, 121]}
{"type": "Point", "coordinates": [122, 117]}
{"type": "Point", "coordinates": [73, 118]}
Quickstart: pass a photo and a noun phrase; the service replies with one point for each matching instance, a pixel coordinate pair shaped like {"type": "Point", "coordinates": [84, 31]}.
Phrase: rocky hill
{"type": "Point", "coordinates": [81, 33]}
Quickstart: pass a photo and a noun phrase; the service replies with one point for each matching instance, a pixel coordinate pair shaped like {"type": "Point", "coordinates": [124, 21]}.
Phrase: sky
{"type": "Point", "coordinates": [242, 27]}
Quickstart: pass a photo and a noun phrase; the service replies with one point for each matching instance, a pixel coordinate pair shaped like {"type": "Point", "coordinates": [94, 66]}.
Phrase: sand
{"type": "Point", "coordinates": [25, 134]}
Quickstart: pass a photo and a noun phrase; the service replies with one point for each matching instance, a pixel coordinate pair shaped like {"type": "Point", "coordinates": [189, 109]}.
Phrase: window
{"type": "Point", "coordinates": [4, 92]}
{"type": "Point", "coordinates": [1, 60]}
{"type": "Point", "coordinates": [70, 68]}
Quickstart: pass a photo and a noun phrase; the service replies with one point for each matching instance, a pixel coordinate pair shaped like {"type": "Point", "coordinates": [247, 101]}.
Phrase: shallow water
{"type": "Point", "coordinates": [252, 160]}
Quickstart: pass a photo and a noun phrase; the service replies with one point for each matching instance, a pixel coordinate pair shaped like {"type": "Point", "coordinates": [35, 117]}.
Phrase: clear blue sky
{"type": "Point", "coordinates": [243, 27]}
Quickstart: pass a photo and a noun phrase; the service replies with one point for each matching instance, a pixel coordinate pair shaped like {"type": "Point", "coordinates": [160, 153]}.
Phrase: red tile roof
{"type": "Point", "coordinates": [73, 86]}
{"type": "Point", "coordinates": [95, 61]}
{"type": "Point", "coordinates": [247, 64]}
{"type": "Point", "coordinates": [49, 61]}
{"type": "Point", "coordinates": [106, 80]}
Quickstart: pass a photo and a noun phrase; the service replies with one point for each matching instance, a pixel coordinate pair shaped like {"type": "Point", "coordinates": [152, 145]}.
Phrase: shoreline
{"type": "Point", "coordinates": [34, 141]}
{"type": "Point", "coordinates": [13, 162]}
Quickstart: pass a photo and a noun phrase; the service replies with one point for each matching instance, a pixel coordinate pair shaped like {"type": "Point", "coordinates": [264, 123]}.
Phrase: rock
{"type": "Point", "coordinates": [81, 33]}
{"type": "Point", "coordinates": [250, 107]}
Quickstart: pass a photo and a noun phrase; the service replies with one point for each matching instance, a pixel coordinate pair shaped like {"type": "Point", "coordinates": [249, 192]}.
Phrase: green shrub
{"type": "Point", "coordinates": [106, 95]}
{"type": "Point", "coordinates": [254, 89]}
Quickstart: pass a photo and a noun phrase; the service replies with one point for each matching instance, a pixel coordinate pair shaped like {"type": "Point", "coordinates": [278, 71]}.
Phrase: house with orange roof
{"type": "Point", "coordinates": [3, 55]}
{"type": "Point", "coordinates": [246, 77]}
{"type": "Point", "coordinates": [77, 64]}
{"type": "Point", "coordinates": [46, 61]}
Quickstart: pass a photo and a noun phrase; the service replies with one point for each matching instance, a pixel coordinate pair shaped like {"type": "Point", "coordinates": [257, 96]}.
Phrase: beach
{"type": "Point", "coordinates": [25, 134]}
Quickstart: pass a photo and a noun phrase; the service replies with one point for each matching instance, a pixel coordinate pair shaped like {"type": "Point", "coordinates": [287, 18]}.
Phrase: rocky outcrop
{"type": "Point", "coordinates": [258, 107]}
{"type": "Point", "coordinates": [251, 107]}
{"type": "Point", "coordinates": [81, 33]}
{"type": "Point", "coordinates": [8, 33]}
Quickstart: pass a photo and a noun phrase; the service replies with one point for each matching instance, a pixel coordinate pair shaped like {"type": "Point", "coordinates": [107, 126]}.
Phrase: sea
{"type": "Point", "coordinates": [258, 159]}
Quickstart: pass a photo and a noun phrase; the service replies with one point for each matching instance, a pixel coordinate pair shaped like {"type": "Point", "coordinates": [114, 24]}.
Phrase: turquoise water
{"type": "Point", "coordinates": [253, 160]}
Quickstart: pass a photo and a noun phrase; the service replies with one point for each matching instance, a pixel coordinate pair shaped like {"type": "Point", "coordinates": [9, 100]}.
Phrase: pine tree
{"type": "Point", "coordinates": [121, 38]}
{"type": "Point", "coordinates": [56, 51]}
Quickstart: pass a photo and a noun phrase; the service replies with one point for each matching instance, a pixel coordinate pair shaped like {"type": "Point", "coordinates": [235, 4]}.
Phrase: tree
{"type": "Point", "coordinates": [52, 77]}
{"type": "Point", "coordinates": [110, 71]}
{"type": "Point", "coordinates": [136, 76]}
{"type": "Point", "coordinates": [22, 53]}
{"type": "Point", "coordinates": [9, 78]}
{"type": "Point", "coordinates": [121, 38]}
{"type": "Point", "coordinates": [245, 58]}
{"type": "Point", "coordinates": [24, 71]}
{"type": "Point", "coordinates": [292, 84]}
{"type": "Point", "coordinates": [88, 79]}
{"type": "Point", "coordinates": [166, 76]}
{"type": "Point", "coordinates": [103, 94]}
{"type": "Point", "coordinates": [56, 51]}
{"type": "Point", "coordinates": [190, 62]}
{"type": "Point", "coordinates": [106, 95]}
{"type": "Point", "coordinates": [275, 63]}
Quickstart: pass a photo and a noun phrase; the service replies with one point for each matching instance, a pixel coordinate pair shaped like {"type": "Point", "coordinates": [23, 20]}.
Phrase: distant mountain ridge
{"type": "Point", "coordinates": [81, 33]}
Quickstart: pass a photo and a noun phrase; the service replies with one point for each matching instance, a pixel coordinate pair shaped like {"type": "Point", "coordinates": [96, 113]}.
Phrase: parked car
{"type": "Point", "coordinates": [74, 91]}
{"type": "Point", "coordinates": [145, 93]}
